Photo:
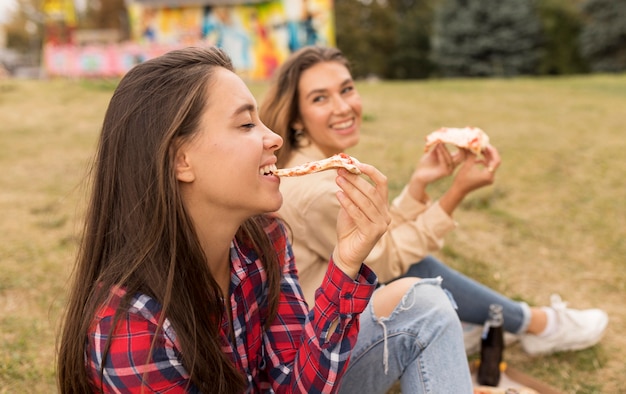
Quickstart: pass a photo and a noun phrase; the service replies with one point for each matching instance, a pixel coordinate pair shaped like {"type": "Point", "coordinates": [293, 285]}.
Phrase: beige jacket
{"type": "Point", "coordinates": [310, 209]}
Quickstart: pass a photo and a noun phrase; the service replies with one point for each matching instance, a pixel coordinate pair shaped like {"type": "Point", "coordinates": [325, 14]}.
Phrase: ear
{"type": "Point", "coordinates": [184, 169]}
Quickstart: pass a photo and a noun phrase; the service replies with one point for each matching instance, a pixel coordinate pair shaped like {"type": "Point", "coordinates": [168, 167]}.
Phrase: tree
{"type": "Point", "coordinates": [365, 34]}
{"type": "Point", "coordinates": [603, 38]}
{"type": "Point", "coordinates": [486, 38]}
{"type": "Point", "coordinates": [25, 27]}
{"type": "Point", "coordinates": [561, 24]}
{"type": "Point", "coordinates": [413, 27]}
{"type": "Point", "coordinates": [107, 14]}
{"type": "Point", "coordinates": [388, 38]}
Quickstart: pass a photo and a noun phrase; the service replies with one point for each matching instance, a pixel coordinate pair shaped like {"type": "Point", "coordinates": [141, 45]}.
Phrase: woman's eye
{"type": "Point", "coordinates": [347, 89]}
{"type": "Point", "coordinates": [248, 125]}
{"type": "Point", "coordinates": [318, 99]}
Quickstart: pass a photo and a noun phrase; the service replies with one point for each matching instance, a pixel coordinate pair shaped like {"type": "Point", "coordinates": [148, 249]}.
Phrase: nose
{"type": "Point", "coordinates": [273, 141]}
{"type": "Point", "coordinates": [340, 105]}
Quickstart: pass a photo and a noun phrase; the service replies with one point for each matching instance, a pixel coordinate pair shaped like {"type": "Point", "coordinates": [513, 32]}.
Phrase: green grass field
{"type": "Point", "coordinates": [554, 222]}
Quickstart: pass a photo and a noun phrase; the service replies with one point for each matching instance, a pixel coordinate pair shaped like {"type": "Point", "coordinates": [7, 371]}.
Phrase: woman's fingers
{"type": "Point", "coordinates": [492, 158]}
{"type": "Point", "coordinates": [476, 172]}
{"type": "Point", "coordinates": [444, 156]}
{"type": "Point", "coordinates": [371, 199]}
{"type": "Point", "coordinates": [364, 216]}
{"type": "Point", "coordinates": [459, 156]}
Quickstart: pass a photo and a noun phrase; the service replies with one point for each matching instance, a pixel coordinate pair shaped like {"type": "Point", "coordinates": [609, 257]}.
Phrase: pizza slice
{"type": "Point", "coordinates": [473, 139]}
{"type": "Point", "coordinates": [340, 160]}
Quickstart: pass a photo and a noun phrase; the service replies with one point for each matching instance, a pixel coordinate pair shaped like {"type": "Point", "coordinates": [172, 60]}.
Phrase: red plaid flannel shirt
{"type": "Point", "coordinates": [296, 354]}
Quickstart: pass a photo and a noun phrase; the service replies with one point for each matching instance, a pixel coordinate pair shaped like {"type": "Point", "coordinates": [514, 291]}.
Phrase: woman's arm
{"type": "Point", "coordinates": [473, 174]}
{"type": "Point", "coordinates": [307, 352]}
{"type": "Point", "coordinates": [127, 367]}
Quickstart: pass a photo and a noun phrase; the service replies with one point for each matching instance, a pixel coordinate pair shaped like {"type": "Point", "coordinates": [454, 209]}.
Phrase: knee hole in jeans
{"type": "Point", "coordinates": [393, 295]}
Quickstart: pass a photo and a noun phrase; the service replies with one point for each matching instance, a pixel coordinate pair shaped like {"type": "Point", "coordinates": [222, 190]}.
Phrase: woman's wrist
{"type": "Point", "coordinates": [349, 270]}
{"type": "Point", "coordinates": [417, 190]}
{"type": "Point", "coordinates": [451, 199]}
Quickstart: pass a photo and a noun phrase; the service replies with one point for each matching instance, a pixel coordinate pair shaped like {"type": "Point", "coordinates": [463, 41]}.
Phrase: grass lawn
{"type": "Point", "coordinates": [554, 222]}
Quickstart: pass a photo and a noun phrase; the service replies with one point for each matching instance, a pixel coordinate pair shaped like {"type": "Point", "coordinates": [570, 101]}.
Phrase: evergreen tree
{"type": "Point", "coordinates": [603, 38]}
{"type": "Point", "coordinates": [389, 39]}
{"type": "Point", "coordinates": [365, 34]}
{"type": "Point", "coordinates": [486, 38]}
{"type": "Point", "coordinates": [413, 27]}
{"type": "Point", "coordinates": [562, 24]}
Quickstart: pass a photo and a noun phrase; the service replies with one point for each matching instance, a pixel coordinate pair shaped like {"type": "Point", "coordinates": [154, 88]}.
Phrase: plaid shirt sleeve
{"type": "Point", "coordinates": [304, 355]}
{"type": "Point", "coordinates": [129, 367]}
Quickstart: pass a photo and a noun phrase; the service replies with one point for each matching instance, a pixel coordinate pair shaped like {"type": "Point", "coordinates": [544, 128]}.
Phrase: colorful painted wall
{"type": "Point", "coordinates": [257, 37]}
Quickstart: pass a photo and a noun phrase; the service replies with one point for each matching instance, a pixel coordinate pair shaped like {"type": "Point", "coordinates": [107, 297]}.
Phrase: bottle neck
{"type": "Point", "coordinates": [495, 320]}
{"type": "Point", "coordinates": [495, 315]}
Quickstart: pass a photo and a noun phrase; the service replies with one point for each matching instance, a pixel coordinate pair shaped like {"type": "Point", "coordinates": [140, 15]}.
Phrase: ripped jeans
{"type": "Point", "coordinates": [420, 344]}
{"type": "Point", "coordinates": [473, 298]}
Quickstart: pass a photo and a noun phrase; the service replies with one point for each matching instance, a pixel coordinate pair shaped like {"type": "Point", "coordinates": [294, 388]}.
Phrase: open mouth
{"type": "Point", "coordinates": [267, 170]}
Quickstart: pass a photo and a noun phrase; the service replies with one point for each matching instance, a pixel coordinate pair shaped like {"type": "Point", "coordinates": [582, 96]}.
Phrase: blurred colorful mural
{"type": "Point", "coordinates": [258, 37]}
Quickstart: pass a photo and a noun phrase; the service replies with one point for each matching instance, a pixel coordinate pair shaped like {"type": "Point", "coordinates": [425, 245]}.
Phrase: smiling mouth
{"type": "Point", "coordinates": [267, 170]}
{"type": "Point", "coordinates": [343, 125]}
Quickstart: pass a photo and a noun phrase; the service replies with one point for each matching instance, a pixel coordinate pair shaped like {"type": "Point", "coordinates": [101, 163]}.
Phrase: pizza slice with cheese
{"type": "Point", "coordinates": [473, 139]}
{"type": "Point", "coordinates": [340, 160]}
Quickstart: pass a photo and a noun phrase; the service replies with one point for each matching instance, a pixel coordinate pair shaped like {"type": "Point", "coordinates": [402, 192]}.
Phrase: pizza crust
{"type": "Point", "coordinates": [340, 160]}
{"type": "Point", "coordinates": [473, 139]}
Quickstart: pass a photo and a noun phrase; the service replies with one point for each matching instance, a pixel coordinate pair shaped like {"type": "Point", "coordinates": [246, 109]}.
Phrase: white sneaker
{"type": "Point", "coordinates": [577, 330]}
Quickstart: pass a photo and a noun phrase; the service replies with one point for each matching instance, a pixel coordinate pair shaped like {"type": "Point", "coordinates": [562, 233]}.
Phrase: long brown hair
{"type": "Point", "coordinates": [279, 108]}
{"type": "Point", "coordinates": [137, 233]}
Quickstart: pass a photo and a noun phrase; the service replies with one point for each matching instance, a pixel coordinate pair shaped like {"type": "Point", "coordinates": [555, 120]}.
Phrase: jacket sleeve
{"type": "Point", "coordinates": [306, 351]}
{"type": "Point", "coordinates": [416, 229]}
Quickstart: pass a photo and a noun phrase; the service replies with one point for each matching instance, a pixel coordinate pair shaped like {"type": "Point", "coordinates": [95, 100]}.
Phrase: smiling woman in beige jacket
{"type": "Point", "coordinates": [313, 103]}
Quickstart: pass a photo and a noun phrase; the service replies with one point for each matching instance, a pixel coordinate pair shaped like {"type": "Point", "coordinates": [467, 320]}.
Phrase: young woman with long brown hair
{"type": "Point", "coordinates": [183, 283]}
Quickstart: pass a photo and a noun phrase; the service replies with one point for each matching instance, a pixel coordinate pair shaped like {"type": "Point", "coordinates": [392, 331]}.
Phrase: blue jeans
{"type": "Point", "coordinates": [472, 298]}
{"type": "Point", "coordinates": [420, 344]}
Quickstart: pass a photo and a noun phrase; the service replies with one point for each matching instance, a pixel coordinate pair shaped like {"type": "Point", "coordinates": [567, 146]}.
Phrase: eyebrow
{"type": "Point", "coordinates": [244, 108]}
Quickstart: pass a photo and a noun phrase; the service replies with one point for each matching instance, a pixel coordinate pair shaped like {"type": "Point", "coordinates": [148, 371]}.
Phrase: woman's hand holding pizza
{"type": "Point", "coordinates": [438, 163]}
{"type": "Point", "coordinates": [435, 164]}
{"type": "Point", "coordinates": [363, 217]}
{"type": "Point", "coordinates": [475, 172]}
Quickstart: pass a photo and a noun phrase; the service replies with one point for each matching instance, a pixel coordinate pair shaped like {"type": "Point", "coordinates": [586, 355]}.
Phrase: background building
{"type": "Point", "coordinates": [258, 35]}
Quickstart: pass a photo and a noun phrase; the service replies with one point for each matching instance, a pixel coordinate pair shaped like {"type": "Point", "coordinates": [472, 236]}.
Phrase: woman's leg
{"type": "Point", "coordinates": [546, 329]}
{"type": "Point", "coordinates": [472, 298]}
{"type": "Point", "coordinates": [419, 343]}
